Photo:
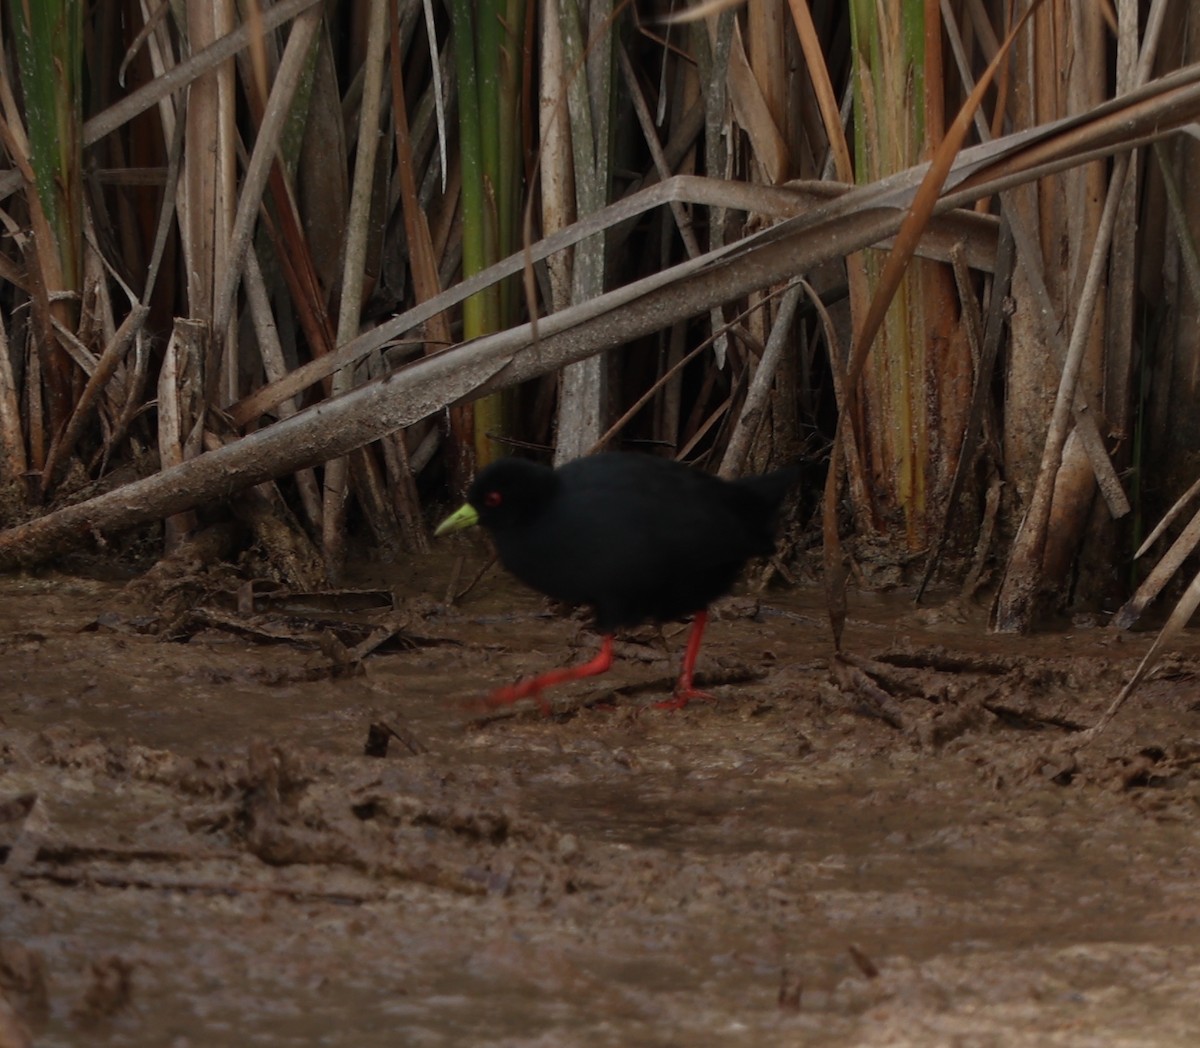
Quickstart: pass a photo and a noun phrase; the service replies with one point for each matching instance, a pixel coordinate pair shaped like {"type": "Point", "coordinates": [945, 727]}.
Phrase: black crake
{"type": "Point", "coordinates": [636, 538]}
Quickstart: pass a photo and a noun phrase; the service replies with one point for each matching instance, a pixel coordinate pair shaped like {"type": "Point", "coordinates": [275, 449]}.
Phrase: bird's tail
{"type": "Point", "coordinates": [772, 487]}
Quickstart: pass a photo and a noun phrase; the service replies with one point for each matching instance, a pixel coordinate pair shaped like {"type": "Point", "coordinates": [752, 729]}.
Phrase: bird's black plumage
{"type": "Point", "coordinates": [634, 537]}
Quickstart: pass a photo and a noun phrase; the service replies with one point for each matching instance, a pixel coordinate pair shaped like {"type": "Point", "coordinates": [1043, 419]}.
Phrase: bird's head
{"type": "Point", "coordinates": [506, 494]}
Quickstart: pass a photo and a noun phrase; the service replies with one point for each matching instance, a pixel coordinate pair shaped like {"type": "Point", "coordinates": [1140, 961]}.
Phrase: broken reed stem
{"type": "Point", "coordinates": [754, 406]}
{"type": "Point", "coordinates": [337, 472]}
{"type": "Point", "coordinates": [1014, 606]}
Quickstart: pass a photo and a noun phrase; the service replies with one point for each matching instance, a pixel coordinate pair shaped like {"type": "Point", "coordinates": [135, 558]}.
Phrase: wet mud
{"type": "Point", "coordinates": [238, 818]}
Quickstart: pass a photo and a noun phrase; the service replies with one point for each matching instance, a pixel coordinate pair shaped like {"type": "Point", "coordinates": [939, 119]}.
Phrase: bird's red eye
{"type": "Point", "coordinates": [493, 499]}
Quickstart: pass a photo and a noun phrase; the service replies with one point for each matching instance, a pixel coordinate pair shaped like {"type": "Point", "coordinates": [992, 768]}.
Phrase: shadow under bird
{"type": "Point", "coordinates": [634, 537]}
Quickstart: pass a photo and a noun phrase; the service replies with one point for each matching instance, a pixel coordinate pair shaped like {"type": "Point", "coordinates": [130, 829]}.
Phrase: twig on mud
{"type": "Point", "coordinates": [950, 662]}
{"type": "Point", "coordinates": [1024, 718]}
{"type": "Point", "coordinates": [67, 852]}
{"type": "Point", "coordinates": [455, 575]}
{"type": "Point", "coordinates": [896, 678]}
{"type": "Point", "coordinates": [790, 991]}
{"type": "Point", "coordinates": [863, 962]}
{"type": "Point", "coordinates": [297, 893]}
{"type": "Point", "coordinates": [14, 809]}
{"type": "Point", "coordinates": [876, 702]}
{"type": "Point", "coordinates": [378, 637]}
{"type": "Point", "coordinates": [278, 836]}
{"type": "Point", "coordinates": [380, 731]}
{"type": "Point", "coordinates": [453, 598]}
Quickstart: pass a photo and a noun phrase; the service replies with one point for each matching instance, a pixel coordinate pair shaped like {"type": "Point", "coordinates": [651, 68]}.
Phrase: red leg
{"type": "Point", "coordinates": [533, 685]}
{"type": "Point", "coordinates": [684, 692]}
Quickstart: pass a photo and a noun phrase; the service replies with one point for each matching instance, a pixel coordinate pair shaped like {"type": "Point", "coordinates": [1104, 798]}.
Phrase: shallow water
{"type": "Point", "coordinates": [212, 860]}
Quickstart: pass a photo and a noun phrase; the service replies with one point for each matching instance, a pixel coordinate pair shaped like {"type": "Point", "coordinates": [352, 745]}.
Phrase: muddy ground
{"type": "Point", "coordinates": [907, 849]}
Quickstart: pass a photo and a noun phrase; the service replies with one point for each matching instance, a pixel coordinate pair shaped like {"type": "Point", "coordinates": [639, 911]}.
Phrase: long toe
{"type": "Point", "coordinates": [511, 693]}
{"type": "Point", "coordinates": [682, 697]}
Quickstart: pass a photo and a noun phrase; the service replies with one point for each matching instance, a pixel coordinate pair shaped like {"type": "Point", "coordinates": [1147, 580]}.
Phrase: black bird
{"type": "Point", "coordinates": [637, 538]}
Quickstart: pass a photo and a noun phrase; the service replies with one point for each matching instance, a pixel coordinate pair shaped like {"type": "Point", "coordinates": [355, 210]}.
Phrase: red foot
{"type": "Point", "coordinates": [533, 686]}
{"type": "Point", "coordinates": [682, 697]}
{"type": "Point", "coordinates": [684, 692]}
{"type": "Point", "coordinates": [511, 693]}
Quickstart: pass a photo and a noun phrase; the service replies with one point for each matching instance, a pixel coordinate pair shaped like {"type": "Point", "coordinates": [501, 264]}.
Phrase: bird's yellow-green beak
{"type": "Point", "coordinates": [463, 517]}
